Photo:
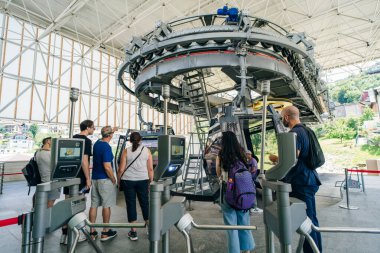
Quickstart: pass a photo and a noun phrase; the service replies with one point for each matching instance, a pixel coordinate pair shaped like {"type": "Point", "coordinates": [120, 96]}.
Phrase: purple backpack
{"type": "Point", "coordinates": [240, 191]}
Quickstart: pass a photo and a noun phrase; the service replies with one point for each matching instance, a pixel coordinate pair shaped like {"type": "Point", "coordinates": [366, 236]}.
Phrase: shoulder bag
{"type": "Point", "coordinates": [121, 186]}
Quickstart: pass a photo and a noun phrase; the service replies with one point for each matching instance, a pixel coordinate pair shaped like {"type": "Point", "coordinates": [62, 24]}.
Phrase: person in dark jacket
{"type": "Point", "coordinates": [305, 181]}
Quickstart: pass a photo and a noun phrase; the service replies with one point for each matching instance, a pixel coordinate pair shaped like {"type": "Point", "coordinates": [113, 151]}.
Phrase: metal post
{"type": "Point", "coordinates": [265, 90]}
{"type": "Point", "coordinates": [363, 186]}
{"type": "Point", "coordinates": [165, 94]}
{"type": "Point", "coordinates": [242, 53]}
{"type": "Point", "coordinates": [347, 205]}
{"type": "Point", "coordinates": [26, 231]}
{"type": "Point", "coordinates": [74, 94]}
{"type": "Point", "coordinates": [284, 218]}
{"type": "Point", "coordinates": [39, 218]}
{"type": "Point", "coordinates": [267, 198]}
{"type": "Point", "coordinates": [269, 236]}
{"type": "Point", "coordinates": [2, 168]}
{"type": "Point", "coordinates": [165, 237]}
{"type": "Point", "coordinates": [156, 189]}
{"type": "Point", "coordinates": [2, 41]}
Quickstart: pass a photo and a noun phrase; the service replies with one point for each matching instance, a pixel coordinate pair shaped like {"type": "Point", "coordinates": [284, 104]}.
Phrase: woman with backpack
{"type": "Point", "coordinates": [229, 156]}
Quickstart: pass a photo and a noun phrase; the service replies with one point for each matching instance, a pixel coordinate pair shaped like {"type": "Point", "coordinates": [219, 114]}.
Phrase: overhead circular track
{"type": "Point", "coordinates": [246, 49]}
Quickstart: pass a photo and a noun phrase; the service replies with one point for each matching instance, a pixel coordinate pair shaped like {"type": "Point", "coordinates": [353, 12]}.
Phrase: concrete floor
{"type": "Point", "coordinates": [15, 200]}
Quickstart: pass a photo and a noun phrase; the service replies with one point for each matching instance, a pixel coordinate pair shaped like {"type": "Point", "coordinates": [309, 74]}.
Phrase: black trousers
{"type": "Point", "coordinates": [307, 194]}
{"type": "Point", "coordinates": [141, 190]}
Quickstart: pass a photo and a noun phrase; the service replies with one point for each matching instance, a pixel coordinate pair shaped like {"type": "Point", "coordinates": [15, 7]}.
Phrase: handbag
{"type": "Point", "coordinates": [121, 188]}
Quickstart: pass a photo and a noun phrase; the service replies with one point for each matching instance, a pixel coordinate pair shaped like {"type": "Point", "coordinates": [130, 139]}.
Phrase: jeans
{"type": "Point", "coordinates": [237, 239]}
{"type": "Point", "coordinates": [131, 189]}
{"type": "Point", "coordinates": [307, 194]}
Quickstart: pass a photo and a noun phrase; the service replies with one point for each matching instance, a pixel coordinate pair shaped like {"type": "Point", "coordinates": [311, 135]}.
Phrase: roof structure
{"type": "Point", "coordinates": [345, 32]}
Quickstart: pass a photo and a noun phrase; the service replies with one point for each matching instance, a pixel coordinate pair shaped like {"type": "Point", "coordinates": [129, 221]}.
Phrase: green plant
{"type": "Point", "coordinates": [375, 141]}
{"type": "Point", "coordinates": [339, 129]}
{"type": "Point", "coordinates": [33, 129]}
{"type": "Point", "coordinates": [373, 150]}
{"type": "Point", "coordinates": [320, 131]}
{"type": "Point", "coordinates": [368, 114]}
{"type": "Point", "coordinates": [353, 123]}
{"type": "Point", "coordinates": [256, 141]}
{"type": "Point", "coordinates": [349, 90]}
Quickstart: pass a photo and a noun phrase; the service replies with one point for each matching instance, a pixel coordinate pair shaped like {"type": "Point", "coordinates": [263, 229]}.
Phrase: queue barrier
{"type": "Point", "coordinates": [349, 182]}
{"type": "Point", "coordinates": [9, 221]}
{"type": "Point", "coordinates": [3, 174]}
{"type": "Point", "coordinates": [2, 167]}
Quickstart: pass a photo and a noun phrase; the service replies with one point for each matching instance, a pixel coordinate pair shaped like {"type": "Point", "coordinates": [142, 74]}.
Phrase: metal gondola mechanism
{"type": "Point", "coordinates": [212, 64]}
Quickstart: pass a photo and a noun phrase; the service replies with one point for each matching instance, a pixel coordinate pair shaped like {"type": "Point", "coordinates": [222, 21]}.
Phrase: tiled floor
{"type": "Point", "coordinates": [15, 200]}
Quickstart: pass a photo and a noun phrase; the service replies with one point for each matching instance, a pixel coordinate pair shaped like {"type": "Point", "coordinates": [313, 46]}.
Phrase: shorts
{"type": "Point", "coordinates": [54, 194]}
{"type": "Point", "coordinates": [103, 193]}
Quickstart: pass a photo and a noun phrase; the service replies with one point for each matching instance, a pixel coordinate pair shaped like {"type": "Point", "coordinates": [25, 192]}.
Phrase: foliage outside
{"type": "Point", "coordinates": [338, 138]}
{"type": "Point", "coordinates": [33, 129]}
{"type": "Point", "coordinates": [350, 90]}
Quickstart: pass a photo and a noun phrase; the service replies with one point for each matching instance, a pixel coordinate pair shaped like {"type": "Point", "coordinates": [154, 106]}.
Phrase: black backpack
{"type": "Point", "coordinates": [31, 173]}
{"type": "Point", "coordinates": [316, 157]}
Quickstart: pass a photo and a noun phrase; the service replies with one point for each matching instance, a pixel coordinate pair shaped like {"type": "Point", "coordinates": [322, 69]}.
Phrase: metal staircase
{"type": "Point", "coordinates": [199, 101]}
{"type": "Point", "coordinates": [193, 174]}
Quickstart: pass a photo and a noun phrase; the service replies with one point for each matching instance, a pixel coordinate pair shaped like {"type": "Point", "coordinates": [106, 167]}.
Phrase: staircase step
{"type": "Point", "coordinates": [197, 96]}
{"type": "Point", "coordinates": [192, 76]}
{"type": "Point", "coordinates": [192, 82]}
{"type": "Point", "coordinates": [195, 89]}
{"type": "Point", "coordinates": [198, 101]}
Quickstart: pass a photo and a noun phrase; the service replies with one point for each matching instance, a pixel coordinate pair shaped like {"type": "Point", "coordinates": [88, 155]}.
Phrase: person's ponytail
{"type": "Point", "coordinates": [135, 139]}
{"type": "Point", "coordinates": [135, 145]}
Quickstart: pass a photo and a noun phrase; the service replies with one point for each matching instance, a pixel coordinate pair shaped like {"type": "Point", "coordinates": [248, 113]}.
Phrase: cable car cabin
{"type": "Point", "coordinates": [247, 128]}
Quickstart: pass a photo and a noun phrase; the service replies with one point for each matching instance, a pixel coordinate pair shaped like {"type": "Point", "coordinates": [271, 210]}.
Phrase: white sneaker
{"type": "Point", "coordinates": [256, 210]}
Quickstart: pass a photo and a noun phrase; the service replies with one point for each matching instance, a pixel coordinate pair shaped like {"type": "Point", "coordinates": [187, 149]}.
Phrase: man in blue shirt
{"type": "Point", "coordinates": [305, 181]}
{"type": "Point", "coordinates": [103, 191]}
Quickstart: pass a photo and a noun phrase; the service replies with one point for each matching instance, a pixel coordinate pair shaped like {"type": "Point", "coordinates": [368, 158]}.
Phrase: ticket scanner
{"type": "Point", "coordinates": [66, 158]}
{"type": "Point", "coordinates": [287, 156]}
{"type": "Point", "coordinates": [164, 211]}
{"type": "Point", "coordinates": [171, 156]}
{"type": "Point", "coordinates": [283, 216]}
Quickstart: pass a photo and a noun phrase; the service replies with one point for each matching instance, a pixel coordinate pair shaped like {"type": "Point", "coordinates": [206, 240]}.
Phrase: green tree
{"type": "Point", "coordinates": [339, 129]}
{"type": "Point", "coordinates": [33, 129]}
{"type": "Point", "coordinates": [368, 114]}
{"type": "Point", "coordinates": [256, 142]}
{"type": "Point", "coordinates": [350, 89]}
{"type": "Point", "coordinates": [353, 123]}
{"type": "Point", "coordinates": [347, 94]}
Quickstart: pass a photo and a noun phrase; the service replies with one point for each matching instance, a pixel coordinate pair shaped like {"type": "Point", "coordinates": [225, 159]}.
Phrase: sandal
{"type": "Point", "coordinates": [94, 235]}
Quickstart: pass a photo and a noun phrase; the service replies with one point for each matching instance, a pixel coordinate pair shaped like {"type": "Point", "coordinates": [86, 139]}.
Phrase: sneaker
{"type": "Point", "coordinates": [108, 235]}
{"type": "Point", "coordinates": [82, 237]}
{"type": "Point", "coordinates": [133, 235]}
{"type": "Point", "coordinates": [94, 235]}
{"type": "Point", "coordinates": [256, 210]}
{"type": "Point", "coordinates": [63, 239]}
